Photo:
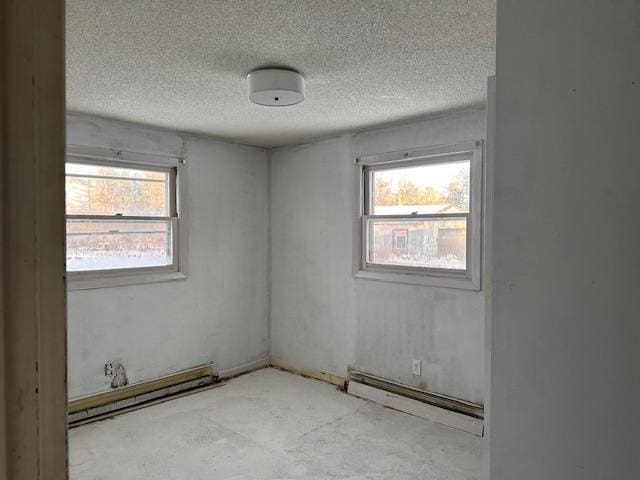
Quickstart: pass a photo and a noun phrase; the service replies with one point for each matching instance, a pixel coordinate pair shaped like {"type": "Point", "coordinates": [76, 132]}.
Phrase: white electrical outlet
{"type": "Point", "coordinates": [417, 367]}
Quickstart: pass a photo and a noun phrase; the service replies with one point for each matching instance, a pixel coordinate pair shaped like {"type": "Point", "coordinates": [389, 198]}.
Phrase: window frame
{"type": "Point", "coordinates": [469, 279]}
{"type": "Point", "coordinates": [176, 167]}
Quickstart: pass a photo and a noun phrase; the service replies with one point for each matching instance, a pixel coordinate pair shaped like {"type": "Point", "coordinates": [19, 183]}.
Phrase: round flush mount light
{"type": "Point", "coordinates": [275, 87]}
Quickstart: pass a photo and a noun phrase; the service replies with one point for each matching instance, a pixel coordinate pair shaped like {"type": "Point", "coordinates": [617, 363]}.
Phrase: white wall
{"type": "Point", "coordinates": [220, 312]}
{"type": "Point", "coordinates": [324, 319]}
{"type": "Point", "coordinates": [565, 379]}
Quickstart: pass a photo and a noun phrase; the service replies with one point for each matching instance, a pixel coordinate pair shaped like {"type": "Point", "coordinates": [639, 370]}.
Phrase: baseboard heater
{"type": "Point", "coordinates": [439, 408]}
{"type": "Point", "coordinates": [92, 407]}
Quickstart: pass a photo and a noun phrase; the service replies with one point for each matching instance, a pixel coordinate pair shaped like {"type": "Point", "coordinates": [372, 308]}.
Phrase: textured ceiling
{"type": "Point", "coordinates": [182, 64]}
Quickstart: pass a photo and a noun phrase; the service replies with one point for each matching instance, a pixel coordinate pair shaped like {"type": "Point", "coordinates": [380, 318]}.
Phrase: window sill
{"type": "Point", "coordinates": [444, 281]}
{"type": "Point", "coordinates": [82, 282]}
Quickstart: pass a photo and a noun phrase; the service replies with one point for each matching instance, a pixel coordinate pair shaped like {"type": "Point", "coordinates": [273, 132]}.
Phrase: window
{"type": "Point", "coordinates": [400, 244]}
{"type": "Point", "coordinates": [420, 214]}
{"type": "Point", "coordinates": [124, 223]}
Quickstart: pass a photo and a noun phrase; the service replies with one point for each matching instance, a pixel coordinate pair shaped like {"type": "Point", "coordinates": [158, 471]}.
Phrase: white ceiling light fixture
{"type": "Point", "coordinates": [275, 87]}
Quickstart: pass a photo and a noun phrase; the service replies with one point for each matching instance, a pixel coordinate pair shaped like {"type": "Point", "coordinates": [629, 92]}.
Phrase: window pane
{"type": "Point", "coordinates": [434, 188]}
{"type": "Point", "coordinates": [426, 243]}
{"type": "Point", "coordinates": [104, 190]}
{"type": "Point", "coordinates": [104, 245]}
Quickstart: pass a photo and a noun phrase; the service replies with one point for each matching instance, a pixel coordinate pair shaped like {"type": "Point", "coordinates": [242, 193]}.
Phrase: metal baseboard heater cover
{"type": "Point", "coordinates": [452, 412]}
{"type": "Point", "coordinates": [435, 399]}
{"type": "Point", "coordinates": [99, 404]}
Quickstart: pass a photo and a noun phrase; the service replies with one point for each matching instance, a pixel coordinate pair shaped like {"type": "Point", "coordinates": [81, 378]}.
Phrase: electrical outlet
{"type": "Point", "coordinates": [417, 367]}
{"type": "Point", "coordinates": [108, 369]}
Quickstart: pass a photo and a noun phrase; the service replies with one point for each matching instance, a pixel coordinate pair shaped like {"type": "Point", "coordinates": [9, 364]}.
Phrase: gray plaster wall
{"type": "Point", "coordinates": [322, 318]}
{"type": "Point", "coordinates": [565, 382]}
{"type": "Point", "coordinates": [220, 312]}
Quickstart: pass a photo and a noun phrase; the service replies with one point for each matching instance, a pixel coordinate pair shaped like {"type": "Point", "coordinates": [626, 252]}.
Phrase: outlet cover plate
{"type": "Point", "coordinates": [416, 367]}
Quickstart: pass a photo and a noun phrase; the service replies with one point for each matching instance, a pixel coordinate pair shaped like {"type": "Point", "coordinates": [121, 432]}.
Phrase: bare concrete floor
{"type": "Point", "coordinates": [271, 425]}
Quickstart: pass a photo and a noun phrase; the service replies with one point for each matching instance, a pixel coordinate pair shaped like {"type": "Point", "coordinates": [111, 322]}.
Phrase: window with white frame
{"type": "Point", "coordinates": [123, 220]}
{"type": "Point", "coordinates": [421, 214]}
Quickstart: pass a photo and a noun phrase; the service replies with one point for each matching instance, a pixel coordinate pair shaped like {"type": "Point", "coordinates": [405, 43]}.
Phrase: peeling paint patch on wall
{"type": "Point", "coordinates": [119, 378]}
